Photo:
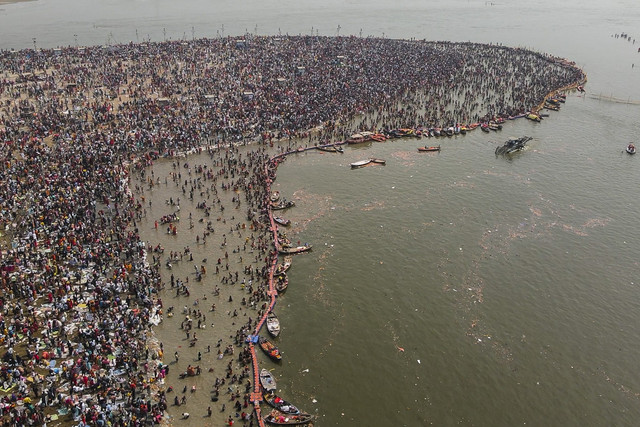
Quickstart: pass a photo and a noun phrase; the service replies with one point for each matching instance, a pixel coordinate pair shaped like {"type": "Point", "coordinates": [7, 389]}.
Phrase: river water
{"type": "Point", "coordinates": [453, 287]}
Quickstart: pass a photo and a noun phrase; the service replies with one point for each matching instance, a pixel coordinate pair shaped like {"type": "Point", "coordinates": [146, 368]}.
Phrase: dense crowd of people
{"type": "Point", "coordinates": [80, 287]}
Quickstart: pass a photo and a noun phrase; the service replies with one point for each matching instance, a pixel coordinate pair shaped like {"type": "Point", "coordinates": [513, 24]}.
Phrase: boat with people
{"type": "Point", "coordinates": [513, 145]}
{"type": "Point", "coordinates": [274, 196]}
{"type": "Point", "coordinates": [360, 137]}
{"type": "Point", "coordinates": [360, 163]}
{"type": "Point", "coordinates": [273, 324]}
{"type": "Point", "coordinates": [433, 148]}
{"type": "Point", "coordinates": [270, 349]}
{"type": "Point", "coordinates": [286, 264]}
{"type": "Point", "coordinates": [284, 204]}
{"type": "Point", "coordinates": [280, 404]}
{"type": "Point", "coordinates": [282, 221]}
{"type": "Point", "coordinates": [267, 381]}
{"type": "Point", "coordinates": [294, 249]}
{"type": "Point", "coordinates": [631, 149]}
{"type": "Point", "coordinates": [534, 117]}
{"type": "Point", "coordinates": [282, 282]}
{"type": "Point", "coordinates": [276, 417]}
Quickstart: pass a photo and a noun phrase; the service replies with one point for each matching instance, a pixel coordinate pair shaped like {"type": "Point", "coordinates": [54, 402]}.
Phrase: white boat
{"type": "Point", "coordinates": [267, 381]}
{"type": "Point", "coordinates": [360, 164]}
{"type": "Point", "coordinates": [273, 325]}
{"type": "Point", "coordinates": [294, 250]}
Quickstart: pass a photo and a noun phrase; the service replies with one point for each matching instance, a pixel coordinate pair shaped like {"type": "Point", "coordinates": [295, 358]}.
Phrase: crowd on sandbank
{"type": "Point", "coordinates": [79, 292]}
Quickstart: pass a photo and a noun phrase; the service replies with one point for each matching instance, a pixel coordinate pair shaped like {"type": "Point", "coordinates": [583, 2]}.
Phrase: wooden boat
{"type": "Point", "coordinates": [282, 221]}
{"type": "Point", "coordinates": [534, 117]}
{"type": "Point", "coordinates": [358, 138]}
{"type": "Point", "coordinates": [278, 418]}
{"type": "Point", "coordinates": [434, 148]}
{"type": "Point", "coordinates": [273, 324]}
{"type": "Point", "coordinates": [378, 137]}
{"type": "Point", "coordinates": [267, 380]}
{"type": "Point", "coordinates": [275, 196]}
{"type": "Point", "coordinates": [517, 116]}
{"type": "Point", "coordinates": [360, 163]}
{"type": "Point", "coordinates": [270, 349]}
{"type": "Point", "coordinates": [379, 161]}
{"type": "Point", "coordinates": [282, 282]}
{"type": "Point", "coordinates": [284, 204]}
{"type": "Point", "coordinates": [294, 249]}
{"type": "Point", "coordinates": [484, 127]}
{"type": "Point", "coordinates": [330, 148]}
{"type": "Point", "coordinates": [286, 264]}
{"type": "Point", "coordinates": [280, 404]}
{"type": "Point", "coordinates": [513, 145]}
{"type": "Point", "coordinates": [631, 149]}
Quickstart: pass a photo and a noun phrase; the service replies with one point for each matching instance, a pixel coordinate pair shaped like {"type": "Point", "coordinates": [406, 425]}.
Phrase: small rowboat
{"type": "Point", "coordinates": [282, 221]}
{"type": "Point", "coordinates": [270, 349]}
{"type": "Point", "coordinates": [379, 161]}
{"type": "Point", "coordinates": [360, 164]}
{"type": "Point", "coordinates": [280, 404]}
{"type": "Point", "coordinates": [267, 380]}
{"type": "Point", "coordinates": [286, 264]}
{"type": "Point", "coordinates": [280, 419]}
{"type": "Point", "coordinates": [533, 117]}
{"type": "Point", "coordinates": [330, 148]}
{"type": "Point", "coordinates": [284, 204]}
{"type": "Point", "coordinates": [435, 148]}
{"type": "Point", "coordinates": [273, 324]}
{"type": "Point", "coordinates": [294, 250]}
{"type": "Point", "coordinates": [282, 282]}
{"type": "Point", "coordinates": [631, 149]}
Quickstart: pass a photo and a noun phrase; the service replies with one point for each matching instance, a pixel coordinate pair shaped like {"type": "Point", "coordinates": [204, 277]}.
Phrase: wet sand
{"type": "Point", "coordinates": [230, 241]}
